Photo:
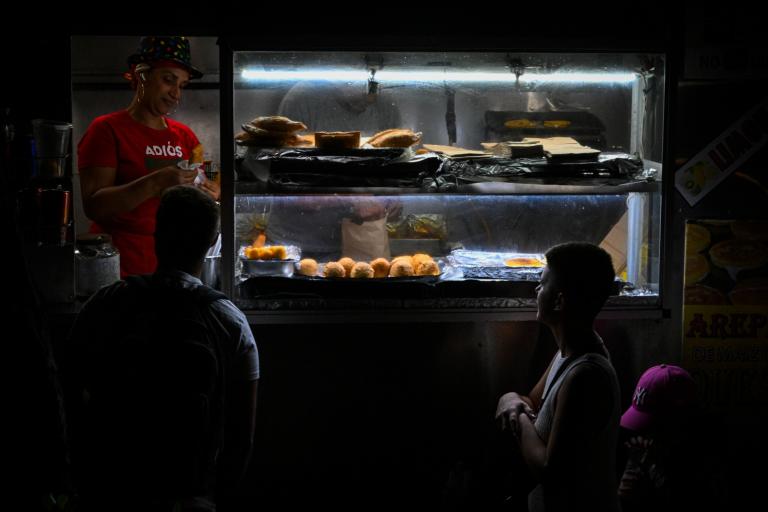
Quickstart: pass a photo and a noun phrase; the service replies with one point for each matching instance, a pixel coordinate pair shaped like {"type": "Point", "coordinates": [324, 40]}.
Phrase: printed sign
{"type": "Point", "coordinates": [725, 311]}
{"type": "Point", "coordinates": [724, 155]}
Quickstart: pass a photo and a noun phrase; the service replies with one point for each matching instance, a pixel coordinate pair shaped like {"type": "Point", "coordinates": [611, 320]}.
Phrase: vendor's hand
{"type": "Point", "coordinates": [211, 188]}
{"type": "Point", "coordinates": [171, 176]}
{"type": "Point", "coordinates": [367, 210]}
{"type": "Point", "coordinates": [509, 407]}
{"type": "Point", "coordinates": [394, 209]}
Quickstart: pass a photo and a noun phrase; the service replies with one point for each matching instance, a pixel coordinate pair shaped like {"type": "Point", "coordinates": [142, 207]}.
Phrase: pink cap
{"type": "Point", "coordinates": [662, 391]}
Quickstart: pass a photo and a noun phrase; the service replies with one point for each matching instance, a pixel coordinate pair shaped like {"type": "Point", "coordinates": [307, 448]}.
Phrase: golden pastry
{"type": "Point", "coordinates": [395, 138]}
{"type": "Point", "coordinates": [419, 258]}
{"type": "Point", "coordinates": [279, 252]}
{"type": "Point", "coordinates": [520, 123]}
{"type": "Point", "coordinates": [253, 130]}
{"type": "Point", "coordinates": [406, 258]}
{"type": "Point", "coordinates": [401, 268]}
{"type": "Point", "coordinates": [308, 267]}
{"type": "Point", "coordinates": [380, 267]}
{"type": "Point", "coordinates": [557, 124]}
{"type": "Point", "coordinates": [269, 252]}
{"type": "Point", "coordinates": [524, 262]}
{"type": "Point", "coordinates": [427, 268]}
{"type": "Point", "coordinates": [347, 263]}
{"type": "Point", "coordinates": [277, 124]}
{"type": "Point", "coordinates": [334, 269]}
{"type": "Point", "coordinates": [362, 270]}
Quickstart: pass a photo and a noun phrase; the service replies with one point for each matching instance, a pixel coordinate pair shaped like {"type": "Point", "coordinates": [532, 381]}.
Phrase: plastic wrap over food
{"type": "Point", "coordinates": [312, 167]}
{"type": "Point", "coordinates": [609, 165]}
{"type": "Point", "coordinates": [465, 257]}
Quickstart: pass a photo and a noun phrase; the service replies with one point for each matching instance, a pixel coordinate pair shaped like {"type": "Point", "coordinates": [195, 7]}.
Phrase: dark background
{"type": "Point", "coordinates": [409, 434]}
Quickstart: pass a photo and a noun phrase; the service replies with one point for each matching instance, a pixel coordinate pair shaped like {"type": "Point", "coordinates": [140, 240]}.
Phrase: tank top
{"type": "Point", "coordinates": [595, 478]}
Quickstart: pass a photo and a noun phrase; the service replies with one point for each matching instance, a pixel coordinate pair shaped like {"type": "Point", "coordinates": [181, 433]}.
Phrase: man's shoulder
{"type": "Point", "coordinates": [107, 294]}
{"type": "Point", "coordinates": [228, 312]}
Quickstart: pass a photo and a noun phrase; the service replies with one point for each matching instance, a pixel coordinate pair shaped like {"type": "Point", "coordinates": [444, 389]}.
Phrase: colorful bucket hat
{"type": "Point", "coordinates": [661, 392]}
{"type": "Point", "coordinates": [165, 48]}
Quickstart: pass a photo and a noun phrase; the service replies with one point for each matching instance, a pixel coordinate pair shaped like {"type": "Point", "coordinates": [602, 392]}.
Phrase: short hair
{"type": "Point", "coordinates": [584, 273]}
{"type": "Point", "coordinates": [187, 224]}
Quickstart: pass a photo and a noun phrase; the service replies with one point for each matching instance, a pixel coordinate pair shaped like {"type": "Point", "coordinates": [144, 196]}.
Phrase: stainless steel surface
{"type": "Point", "coordinates": [268, 267]}
{"type": "Point", "coordinates": [51, 138]}
{"type": "Point", "coordinates": [416, 315]}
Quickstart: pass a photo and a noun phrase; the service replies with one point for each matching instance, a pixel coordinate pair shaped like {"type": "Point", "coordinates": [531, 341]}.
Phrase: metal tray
{"type": "Point", "coordinates": [284, 267]}
{"type": "Point", "coordinates": [268, 267]}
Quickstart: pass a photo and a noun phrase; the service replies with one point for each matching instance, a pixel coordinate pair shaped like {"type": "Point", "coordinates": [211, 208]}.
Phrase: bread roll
{"type": "Point", "coordinates": [337, 140]}
{"type": "Point", "coordinates": [420, 258]}
{"type": "Point", "coordinates": [334, 269]}
{"type": "Point", "coordinates": [362, 270]}
{"type": "Point", "coordinates": [427, 268]}
{"type": "Point", "coordinates": [401, 268]}
{"type": "Point", "coordinates": [405, 258]}
{"type": "Point", "coordinates": [347, 263]}
{"type": "Point", "coordinates": [308, 267]}
{"type": "Point", "coordinates": [380, 267]}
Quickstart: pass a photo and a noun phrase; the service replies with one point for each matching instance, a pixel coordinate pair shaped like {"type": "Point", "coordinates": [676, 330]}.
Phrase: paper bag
{"type": "Point", "coordinates": [366, 241]}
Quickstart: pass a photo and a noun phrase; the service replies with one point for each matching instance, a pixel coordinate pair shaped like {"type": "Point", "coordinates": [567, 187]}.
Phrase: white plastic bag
{"type": "Point", "coordinates": [186, 166]}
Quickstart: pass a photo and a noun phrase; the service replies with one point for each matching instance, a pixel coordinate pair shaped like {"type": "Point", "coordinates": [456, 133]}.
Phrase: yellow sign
{"type": "Point", "coordinates": [725, 311]}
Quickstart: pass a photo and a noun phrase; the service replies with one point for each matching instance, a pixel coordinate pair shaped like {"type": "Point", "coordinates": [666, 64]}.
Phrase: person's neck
{"type": "Point", "coordinates": [575, 337]}
{"type": "Point", "coordinates": [144, 116]}
{"type": "Point", "coordinates": [193, 269]}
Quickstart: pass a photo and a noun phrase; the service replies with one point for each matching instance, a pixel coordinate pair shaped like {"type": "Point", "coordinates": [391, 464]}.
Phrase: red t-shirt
{"type": "Point", "coordinates": [133, 150]}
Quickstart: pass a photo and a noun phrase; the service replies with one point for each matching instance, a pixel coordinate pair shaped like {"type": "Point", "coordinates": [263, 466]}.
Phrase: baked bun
{"type": "Point", "coordinates": [401, 268]}
{"type": "Point", "coordinates": [347, 263]}
{"type": "Point", "coordinates": [405, 258]}
{"type": "Point", "coordinates": [334, 269]}
{"type": "Point", "coordinates": [427, 268]}
{"type": "Point", "coordinates": [337, 140]}
{"type": "Point", "coordinates": [308, 267]}
{"type": "Point", "coordinates": [420, 258]}
{"type": "Point", "coordinates": [362, 270]}
{"type": "Point", "coordinates": [380, 267]}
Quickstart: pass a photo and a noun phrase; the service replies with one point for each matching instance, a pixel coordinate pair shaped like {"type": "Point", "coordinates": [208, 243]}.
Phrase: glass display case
{"type": "Point", "coordinates": [479, 160]}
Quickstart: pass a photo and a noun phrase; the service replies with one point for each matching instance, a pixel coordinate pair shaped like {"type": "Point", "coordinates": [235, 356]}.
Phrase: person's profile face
{"type": "Point", "coordinates": [163, 88]}
{"type": "Point", "coordinates": [546, 297]}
